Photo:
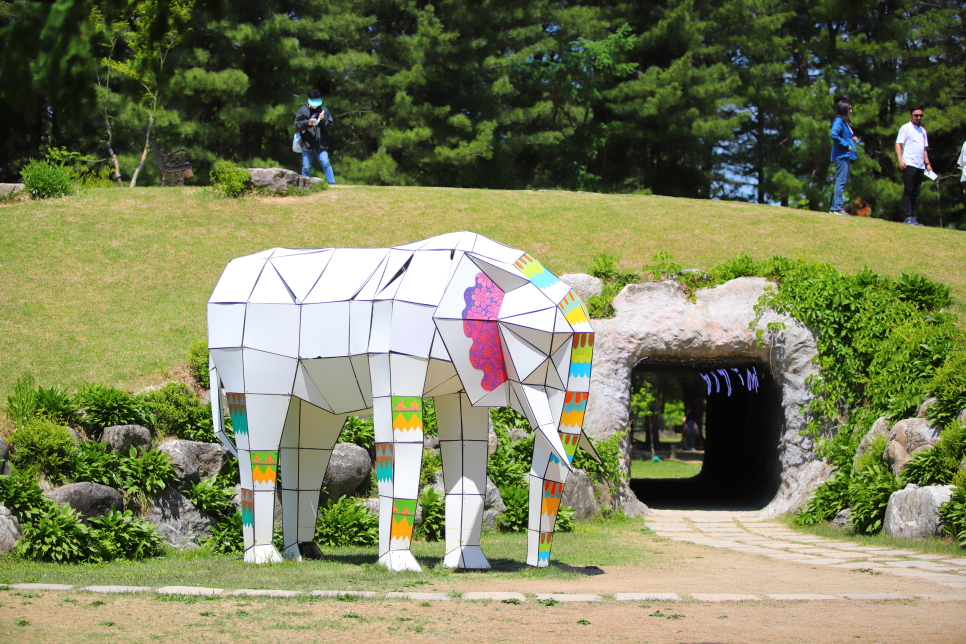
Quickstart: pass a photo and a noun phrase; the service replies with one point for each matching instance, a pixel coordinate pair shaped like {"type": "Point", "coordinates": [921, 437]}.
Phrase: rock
{"type": "Point", "coordinates": [579, 494]}
{"type": "Point", "coordinates": [962, 416]}
{"type": "Point", "coordinates": [92, 500]}
{"type": "Point", "coordinates": [913, 511]}
{"type": "Point", "coordinates": [348, 467]}
{"type": "Point", "coordinates": [279, 179]}
{"type": "Point", "coordinates": [926, 404]}
{"type": "Point", "coordinates": [10, 189]}
{"type": "Point", "coordinates": [628, 503]}
{"type": "Point", "coordinates": [659, 320]}
{"type": "Point", "coordinates": [194, 461]}
{"type": "Point", "coordinates": [518, 434]}
{"type": "Point", "coordinates": [76, 435]}
{"type": "Point", "coordinates": [121, 438]}
{"type": "Point", "coordinates": [585, 285]}
{"type": "Point", "coordinates": [492, 500]}
{"type": "Point", "coordinates": [373, 504]}
{"type": "Point", "coordinates": [841, 520]}
{"type": "Point", "coordinates": [4, 450]}
{"type": "Point", "coordinates": [10, 530]}
{"type": "Point", "coordinates": [905, 439]}
{"type": "Point", "coordinates": [492, 442]}
{"type": "Point", "coordinates": [430, 442]}
{"type": "Point", "coordinates": [879, 428]}
{"type": "Point", "coordinates": [176, 519]}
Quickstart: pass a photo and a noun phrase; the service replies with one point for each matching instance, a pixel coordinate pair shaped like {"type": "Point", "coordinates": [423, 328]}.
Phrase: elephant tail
{"type": "Point", "coordinates": [217, 413]}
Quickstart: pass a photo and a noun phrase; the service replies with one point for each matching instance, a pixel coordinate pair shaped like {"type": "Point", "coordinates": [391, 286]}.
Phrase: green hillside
{"type": "Point", "coordinates": [111, 284]}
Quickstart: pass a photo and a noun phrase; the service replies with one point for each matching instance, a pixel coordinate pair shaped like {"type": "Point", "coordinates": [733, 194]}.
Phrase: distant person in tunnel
{"type": "Point", "coordinates": [690, 430]}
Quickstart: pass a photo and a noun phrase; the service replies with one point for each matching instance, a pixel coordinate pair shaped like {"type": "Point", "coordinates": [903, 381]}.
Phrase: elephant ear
{"type": "Point", "coordinates": [467, 322]}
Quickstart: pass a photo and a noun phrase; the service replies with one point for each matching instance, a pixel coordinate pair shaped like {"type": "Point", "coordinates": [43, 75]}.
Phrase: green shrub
{"type": "Point", "coordinates": [58, 535]}
{"type": "Point", "coordinates": [873, 454]}
{"type": "Point", "coordinates": [104, 406]}
{"type": "Point", "coordinates": [517, 514]}
{"type": "Point", "coordinates": [346, 522]}
{"type": "Point", "coordinates": [176, 411]}
{"type": "Point", "coordinates": [227, 537]}
{"type": "Point", "coordinates": [829, 499]}
{"type": "Point", "coordinates": [145, 474]}
{"type": "Point", "coordinates": [43, 179]}
{"type": "Point", "coordinates": [952, 513]}
{"type": "Point", "coordinates": [509, 465]}
{"type": "Point", "coordinates": [20, 494]}
{"type": "Point", "coordinates": [565, 519]}
{"type": "Point", "coordinates": [29, 401]}
{"type": "Point", "coordinates": [948, 385]}
{"type": "Point", "coordinates": [45, 446]}
{"type": "Point", "coordinates": [939, 464]}
{"type": "Point", "coordinates": [198, 363]}
{"type": "Point", "coordinates": [604, 267]}
{"type": "Point", "coordinates": [214, 496]}
{"type": "Point", "coordinates": [610, 469]}
{"type": "Point", "coordinates": [359, 431]}
{"type": "Point", "coordinates": [22, 403]}
{"type": "Point", "coordinates": [430, 467]}
{"type": "Point", "coordinates": [95, 464]}
{"type": "Point", "coordinates": [124, 536]}
{"type": "Point", "coordinates": [229, 179]}
{"type": "Point", "coordinates": [922, 292]}
{"type": "Point", "coordinates": [869, 492]}
{"type": "Point", "coordinates": [434, 516]}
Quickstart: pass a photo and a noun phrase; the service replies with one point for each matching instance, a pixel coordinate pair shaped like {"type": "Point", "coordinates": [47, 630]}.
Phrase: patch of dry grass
{"type": "Point", "coordinates": [111, 284]}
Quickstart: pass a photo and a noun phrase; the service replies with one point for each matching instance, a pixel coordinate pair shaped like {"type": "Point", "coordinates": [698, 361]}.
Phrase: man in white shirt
{"type": "Point", "coordinates": [912, 150]}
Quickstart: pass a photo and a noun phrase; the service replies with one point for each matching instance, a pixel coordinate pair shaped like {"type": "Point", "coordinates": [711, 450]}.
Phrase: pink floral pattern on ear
{"type": "Point", "coordinates": [483, 301]}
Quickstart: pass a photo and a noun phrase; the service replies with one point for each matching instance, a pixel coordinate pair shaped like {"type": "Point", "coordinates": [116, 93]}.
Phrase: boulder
{"type": "Point", "coordinates": [841, 520]}
{"type": "Point", "coordinates": [430, 442]}
{"type": "Point", "coordinates": [7, 189]}
{"type": "Point", "coordinates": [585, 285]}
{"type": "Point", "coordinates": [913, 511]}
{"type": "Point", "coordinates": [279, 179]}
{"type": "Point", "coordinates": [492, 441]}
{"type": "Point", "coordinates": [10, 530]}
{"type": "Point", "coordinates": [194, 461]}
{"type": "Point", "coordinates": [492, 505]}
{"type": "Point", "coordinates": [177, 520]}
{"type": "Point", "coordinates": [906, 438]}
{"type": "Point", "coordinates": [121, 438]}
{"type": "Point", "coordinates": [518, 434]}
{"type": "Point", "coordinates": [879, 428]}
{"type": "Point", "coordinates": [4, 451]}
{"type": "Point", "coordinates": [92, 500]}
{"type": "Point", "coordinates": [627, 502]}
{"type": "Point", "coordinates": [348, 467]}
{"type": "Point", "coordinates": [579, 494]}
{"type": "Point", "coordinates": [926, 404]}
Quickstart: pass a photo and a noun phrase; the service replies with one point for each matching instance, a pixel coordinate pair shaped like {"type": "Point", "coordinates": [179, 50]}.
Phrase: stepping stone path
{"type": "Point", "coordinates": [744, 532]}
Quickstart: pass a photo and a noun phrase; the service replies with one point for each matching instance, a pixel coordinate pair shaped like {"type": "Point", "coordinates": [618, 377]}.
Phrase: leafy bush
{"type": "Point", "coordinates": [29, 401]}
{"type": "Point", "coordinates": [829, 499]}
{"type": "Point", "coordinates": [948, 385]}
{"type": "Point", "coordinates": [359, 431]}
{"type": "Point", "coordinates": [610, 469]}
{"type": "Point", "coordinates": [229, 179]}
{"type": "Point", "coordinates": [176, 411]}
{"type": "Point", "coordinates": [20, 494]}
{"type": "Point", "coordinates": [921, 291]}
{"type": "Point", "coordinates": [952, 513]}
{"type": "Point", "coordinates": [45, 446]}
{"type": "Point", "coordinates": [227, 537]}
{"type": "Point", "coordinates": [105, 406]}
{"type": "Point", "coordinates": [517, 500]}
{"type": "Point", "coordinates": [434, 516]}
{"type": "Point", "coordinates": [214, 496]}
{"type": "Point", "coordinates": [95, 464]}
{"type": "Point", "coordinates": [58, 535]}
{"type": "Point", "coordinates": [346, 522]}
{"type": "Point", "coordinates": [604, 267]}
{"type": "Point", "coordinates": [124, 536]}
{"type": "Point", "coordinates": [22, 403]}
{"type": "Point", "coordinates": [198, 363]}
{"type": "Point", "coordinates": [509, 465]}
{"type": "Point", "coordinates": [869, 492]}
{"type": "Point", "coordinates": [939, 464]}
{"type": "Point", "coordinates": [141, 475]}
{"type": "Point", "coordinates": [565, 519]}
{"type": "Point", "coordinates": [43, 179]}
{"type": "Point", "coordinates": [873, 454]}
{"type": "Point", "coordinates": [430, 467]}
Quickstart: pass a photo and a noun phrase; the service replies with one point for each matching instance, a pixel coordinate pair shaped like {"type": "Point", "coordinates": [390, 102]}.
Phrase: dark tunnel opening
{"type": "Point", "coordinates": [737, 407]}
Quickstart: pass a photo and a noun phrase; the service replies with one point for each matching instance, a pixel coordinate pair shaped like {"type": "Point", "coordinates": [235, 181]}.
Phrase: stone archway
{"type": "Point", "coordinates": [656, 320]}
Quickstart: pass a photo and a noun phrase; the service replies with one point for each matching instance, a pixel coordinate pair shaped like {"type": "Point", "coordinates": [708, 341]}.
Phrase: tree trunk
{"type": "Point", "coordinates": [144, 153]}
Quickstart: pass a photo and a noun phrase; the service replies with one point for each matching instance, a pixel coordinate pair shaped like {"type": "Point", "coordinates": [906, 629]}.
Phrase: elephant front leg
{"type": "Point", "coordinates": [463, 444]}
{"type": "Point", "coordinates": [398, 424]}
{"type": "Point", "coordinates": [547, 478]}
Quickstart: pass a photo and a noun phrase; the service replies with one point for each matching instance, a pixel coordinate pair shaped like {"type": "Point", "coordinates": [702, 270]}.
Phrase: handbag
{"type": "Point", "coordinates": [297, 143]}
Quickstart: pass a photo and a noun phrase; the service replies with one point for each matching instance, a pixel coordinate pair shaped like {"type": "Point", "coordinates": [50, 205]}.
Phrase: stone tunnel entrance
{"type": "Point", "coordinates": [738, 420]}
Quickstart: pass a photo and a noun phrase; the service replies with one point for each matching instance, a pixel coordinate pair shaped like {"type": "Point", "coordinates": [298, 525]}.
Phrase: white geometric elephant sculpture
{"type": "Point", "coordinates": [301, 339]}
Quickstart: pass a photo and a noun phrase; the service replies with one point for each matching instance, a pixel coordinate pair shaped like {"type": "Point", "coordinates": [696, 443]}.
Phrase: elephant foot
{"type": "Point", "coordinates": [466, 557]}
{"type": "Point", "coordinates": [302, 550]}
{"type": "Point", "coordinates": [400, 561]}
{"type": "Point", "coordinates": [262, 554]}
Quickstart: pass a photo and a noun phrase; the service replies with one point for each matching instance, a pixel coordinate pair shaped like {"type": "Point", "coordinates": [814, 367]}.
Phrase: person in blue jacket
{"type": "Point", "coordinates": [844, 146]}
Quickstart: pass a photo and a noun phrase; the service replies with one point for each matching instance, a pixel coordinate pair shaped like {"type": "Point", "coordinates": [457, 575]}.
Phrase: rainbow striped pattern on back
{"type": "Point", "coordinates": [531, 268]}
{"type": "Point", "coordinates": [573, 309]}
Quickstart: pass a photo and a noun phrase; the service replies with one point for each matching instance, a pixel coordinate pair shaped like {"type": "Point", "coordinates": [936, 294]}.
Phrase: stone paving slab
{"type": "Point", "coordinates": [40, 587]}
{"type": "Point", "coordinates": [569, 597]}
{"type": "Point", "coordinates": [959, 562]}
{"type": "Point", "coordinates": [420, 597]}
{"type": "Point", "coordinates": [926, 557]}
{"type": "Point", "coordinates": [801, 597]}
{"type": "Point", "coordinates": [725, 597]}
{"type": "Point", "coordinates": [493, 596]}
{"type": "Point", "coordinates": [875, 596]}
{"type": "Point", "coordinates": [116, 589]}
{"type": "Point", "coordinates": [193, 591]}
{"type": "Point", "coordinates": [365, 594]}
{"type": "Point", "coordinates": [943, 598]}
{"type": "Point", "coordinates": [249, 592]}
{"type": "Point", "coordinates": [647, 597]}
{"type": "Point", "coordinates": [672, 527]}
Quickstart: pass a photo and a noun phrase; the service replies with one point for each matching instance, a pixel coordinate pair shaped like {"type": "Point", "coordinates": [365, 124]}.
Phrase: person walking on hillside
{"type": "Point", "coordinates": [844, 152]}
{"type": "Point", "coordinates": [313, 121]}
{"type": "Point", "coordinates": [961, 162]}
{"type": "Point", "coordinates": [912, 149]}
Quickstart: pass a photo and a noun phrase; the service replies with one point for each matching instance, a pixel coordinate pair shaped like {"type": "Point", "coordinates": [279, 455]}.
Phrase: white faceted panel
{"type": "Point", "coordinates": [542, 320]}
{"type": "Point", "coordinates": [561, 362]}
{"type": "Point", "coordinates": [285, 252]}
{"type": "Point", "coordinates": [526, 299]}
{"type": "Point", "coordinates": [515, 401]}
{"type": "Point", "coordinates": [539, 375]}
{"type": "Point", "coordinates": [553, 378]}
{"type": "Point", "coordinates": [264, 517]}
{"type": "Point", "coordinates": [438, 351]}
{"type": "Point", "coordinates": [325, 330]}
{"type": "Point", "coordinates": [584, 443]}
{"type": "Point", "coordinates": [319, 429]}
{"type": "Point", "coordinates": [313, 463]}
{"type": "Point", "coordinates": [360, 325]}
{"type": "Point", "coordinates": [536, 500]}
{"type": "Point", "coordinates": [385, 520]}
{"type": "Point", "coordinates": [380, 333]}
{"type": "Point", "coordinates": [437, 373]}
{"type": "Point", "coordinates": [382, 419]}
{"type": "Point", "coordinates": [466, 242]}
{"type": "Point", "coordinates": [499, 397]}
{"type": "Point", "coordinates": [270, 288]}
{"type": "Point", "coordinates": [555, 399]}
{"type": "Point", "coordinates": [238, 280]}
{"type": "Point", "coordinates": [346, 273]}
{"type": "Point", "coordinates": [226, 323]}
{"type": "Point", "coordinates": [408, 458]}
{"type": "Point", "coordinates": [306, 390]}
{"type": "Point", "coordinates": [506, 276]}
{"type": "Point", "coordinates": [412, 329]}
{"type": "Point", "coordinates": [266, 418]}
{"type": "Point", "coordinates": [336, 380]}
{"type": "Point", "coordinates": [495, 250]}
{"type": "Point", "coordinates": [444, 241]}
{"type": "Point", "coordinates": [472, 519]}
{"type": "Point", "coordinates": [268, 373]}
{"type": "Point", "coordinates": [524, 356]}
{"type": "Point", "coordinates": [425, 279]}
{"type": "Point", "coordinates": [360, 364]}
{"type": "Point", "coordinates": [273, 328]}
{"type": "Point", "coordinates": [560, 339]}
{"type": "Point", "coordinates": [453, 302]}
{"type": "Point", "coordinates": [379, 374]}
{"type": "Point", "coordinates": [396, 267]}
{"type": "Point", "coordinates": [300, 272]}
{"type": "Point", "coordinates": [290, 431]}
{"type": "Point", "coordinates": [452, 386]}
{"type": "Point", "coordinates": [561, 325]}
{"type": "Point", "coordinates": [452, 455]}
{"type": "Point", "coordinates": [541, 340]}
{"type": "Point", "coordinates": [230, 368]}
{"type": "Point", "coordinates": [452, 527]}
{"type": "Point", "coordinates": [474, 467]}
{"type": "Point", "coordinates": [407, 375]}
{"type": "Point", "coordinates": [449, 418]}
{"type": "Point", "coordinates": [539, 404]}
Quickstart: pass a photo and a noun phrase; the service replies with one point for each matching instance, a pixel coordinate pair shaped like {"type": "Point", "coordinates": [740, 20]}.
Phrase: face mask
{"type": "Point", "coordinates": [315, 102]}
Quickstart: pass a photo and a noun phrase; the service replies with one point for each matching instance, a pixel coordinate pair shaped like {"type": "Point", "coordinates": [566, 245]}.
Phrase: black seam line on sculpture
{"type": "Point", "coordinates": [399, 273]}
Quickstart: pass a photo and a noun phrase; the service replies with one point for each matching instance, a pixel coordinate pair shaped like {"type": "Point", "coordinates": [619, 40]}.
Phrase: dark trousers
{"type": "Point", "coordinates": [912, 180]}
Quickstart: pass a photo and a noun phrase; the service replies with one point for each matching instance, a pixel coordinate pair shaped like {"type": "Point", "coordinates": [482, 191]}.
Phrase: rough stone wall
{"type": "Point", "coordinates": [656, 319]}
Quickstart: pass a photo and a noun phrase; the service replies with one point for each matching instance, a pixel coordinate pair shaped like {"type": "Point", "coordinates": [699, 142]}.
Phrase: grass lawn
{"type": "Point", "coordinates": [664, 469]}
{"type": "Point", "coordinates": [110, 284]}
